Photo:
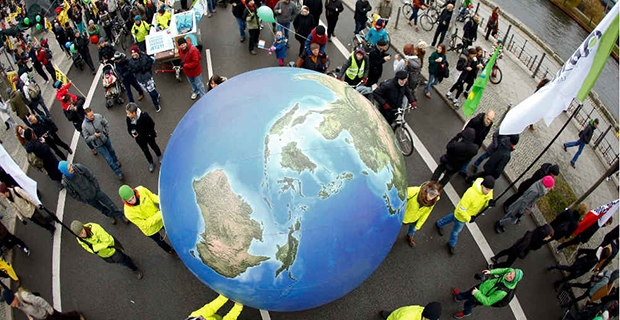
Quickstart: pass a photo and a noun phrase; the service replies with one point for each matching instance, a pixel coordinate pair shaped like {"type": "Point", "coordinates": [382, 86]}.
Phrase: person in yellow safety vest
{"type": "Point", "coordinates": [94, 239]}
{"type": "Point", "coordinates": [140, 30]}
{"type": "Point", "coordinates": [208, 312]}
{"type": "Point", "coordinates": [6, 270]}
{"type": "Point", "coordinates": [142, 209]}
{"type": "Point", "coordinates": [420, 202]}
{"type": "Point", "coordinates": [356, 68]}
{"type": "Point", "coordinates": [431, 311]}
{"type": "Point", "coordinates": [163, 19]}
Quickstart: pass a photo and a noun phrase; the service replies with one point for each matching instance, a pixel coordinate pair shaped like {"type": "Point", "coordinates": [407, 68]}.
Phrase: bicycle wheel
{"type": "Point", "coordinates": [433, 13]}
{"type": "Point", "coordinates": [496, 75]}
{"type": "Point", "coordinates": [426, 22]}
{"type": "Point", "coordinates": [404, 139]}
{"type": "Point", "coordinates": [407, 9]}
{"type": "Point", "coordinates": [123, 39]}
{"type": "Point", "coordinates": [452, 43]}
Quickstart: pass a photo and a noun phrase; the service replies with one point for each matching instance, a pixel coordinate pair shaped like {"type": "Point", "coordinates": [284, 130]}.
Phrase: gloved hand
{"type": "Point", "coordinates": [414, 104]}
{"type": "Point", "coordinates": [386, 106]}
{"type": "Point", "coordinates": [492, 203]}
{"type": "Point", "coordinates": [24, 222]}
{"type": "Point", "coordinates": [364, 80]}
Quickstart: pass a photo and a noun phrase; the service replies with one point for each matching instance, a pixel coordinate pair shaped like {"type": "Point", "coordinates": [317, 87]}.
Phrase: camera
{"type": "Point", "coordinates": [481, 276]}
{"type": "Point", "coordinates": [134, 132]}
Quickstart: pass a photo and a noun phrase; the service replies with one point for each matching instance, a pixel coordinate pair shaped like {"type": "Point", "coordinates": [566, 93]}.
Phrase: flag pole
{"type": "Point", "coordinates": [612, 169]}
{"type": "Point", "coordinates": [512, 184]}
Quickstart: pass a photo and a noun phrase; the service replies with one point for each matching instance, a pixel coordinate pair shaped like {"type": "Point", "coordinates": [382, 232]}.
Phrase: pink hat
{"type": "Point", "coordinates": [548, 181]}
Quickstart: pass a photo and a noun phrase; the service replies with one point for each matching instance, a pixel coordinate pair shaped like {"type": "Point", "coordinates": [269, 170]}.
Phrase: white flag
{"type": "Point", "coordinates": [573, 81]}
{"type": "Point", "coordinates": [29, 185]}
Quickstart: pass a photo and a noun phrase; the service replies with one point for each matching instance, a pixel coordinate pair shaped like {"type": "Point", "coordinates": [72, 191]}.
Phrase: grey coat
{"type": "Point", "coordinates": [289, 11]}
{"type": "Point", "coordinates": [34, 306]}
{"type": "Point", "coordinates": [99, 124]}
{"type": "Point", "coordinates": [83, 185]}
{"type": "Point", "coordinates": [528, 199]}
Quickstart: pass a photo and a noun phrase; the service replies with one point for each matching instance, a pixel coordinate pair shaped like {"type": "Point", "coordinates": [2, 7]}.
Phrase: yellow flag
{"type": "Point", "coordinates": [10, 76]}
{"type": "Point", "coordinates": [61, 76]}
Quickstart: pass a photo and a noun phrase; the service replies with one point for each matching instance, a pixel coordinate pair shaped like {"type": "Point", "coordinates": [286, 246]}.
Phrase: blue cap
{"type": "Point", "coordinates": [137, 17]}
{"type": "Point", "coordinates": [57, 84]}
{"type": "Point", "coordinates": [63, 166]}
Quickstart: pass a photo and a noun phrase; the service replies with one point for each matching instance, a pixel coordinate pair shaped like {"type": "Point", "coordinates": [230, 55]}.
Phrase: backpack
{"type": "Point", "coordinates": [461, 63]}
{"type": "Point", "coordinates": [35, 161]}
{"type": "Point", "coordinates": [34, 91]}
{"type": "Point", "coordinates": [48, 53]}
{"type": "Point", "coordinates": [510, 293]}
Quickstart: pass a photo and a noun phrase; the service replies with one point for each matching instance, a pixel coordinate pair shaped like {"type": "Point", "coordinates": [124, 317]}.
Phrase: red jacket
{"type": "Point", "coordinates": [191, 61]}
{"type": "Point", "coordinates": [60, 93]}
{"type": "Point", "coordinates": [42, 57]}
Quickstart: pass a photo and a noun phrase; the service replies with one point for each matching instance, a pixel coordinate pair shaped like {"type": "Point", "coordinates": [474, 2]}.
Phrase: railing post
{"type": "Point", "coordinates": [533, 63]}
{"type": "Point", "coordinates": [507, 32]}
{"type": "Point", "coordinates": [477, 7]}
{"type": "Point", "coordinates": [522, 48]}
{"type": "Point", "coordinates": [539, 63]}
{"type": "Point", "coordinates": [511, 41]}
{"type": "Point", "coordinates": [397, 18]}
{"type": "Point", "coordinates": [600, 139]}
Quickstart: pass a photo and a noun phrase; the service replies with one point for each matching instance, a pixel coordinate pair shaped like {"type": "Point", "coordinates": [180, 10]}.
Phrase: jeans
{"type": "Point", "coordinates": [39, 101]}
{"type": "Point", "coordinates": [121, 258]}
{"type": "Point", "coordinates": [414, 16]}
{"type": "Point", "coordinates": [283, 27]}
{"type": "Point", "coordinates": [104, 204]}
{"type": "Point", "coordinates": [241, 24]}
{"type": "Point", "coordinates": [511, 217]}
{"type": "Point", "coordinates": [197, 86]}
{"type": "Point", "coordinates": [464, 168]}
{"type": "Point", "coordinates": [432, 80]}
{"type": "Point", "coordinates": [144, 145]}
{"type": "Point", "coordinates": [359, 26]}
{"type": "Point", "coordinates": [161, 243]}
{"type": "Point", "coordinates": [578, 143]}
{"type": "Point", "coordinates": [411, 230]}
{"type": "Point", "coordinates": [129, 82]}
{"type": "Point", "coordinates": [480, 159]}
{"type": "Point", "coordinates": [108, 153]}
{"type": "Point", "coordinates": [150, 84]}
{"type": "Point", "coordinates": [211, 6]}
{"type": "Point", "coordinates": [470, 300]}
{"type": "Point", "coordinates": [458, 227]}
{"type": "Point", "coordinates": [81, 28]}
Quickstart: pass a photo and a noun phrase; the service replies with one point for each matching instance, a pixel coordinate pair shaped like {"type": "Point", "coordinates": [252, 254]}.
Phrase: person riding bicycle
{"type": "Point", "coordinates": [315, 61]}
{"type": "Point", "coordinates": [377, 33]}
{"type": "Point", "coordinates": [355, 70]}
{"type": "Point", "coordinates": [470, 31]}
{"type": "Point", "coordinates": [463, 13]}
{"type": "Point", "coordinates": [393, 94]}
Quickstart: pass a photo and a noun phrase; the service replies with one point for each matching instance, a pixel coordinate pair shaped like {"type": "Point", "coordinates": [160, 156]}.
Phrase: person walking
{"type": "Point", "coordinates": [38, 147]}
{"type": "Point", "coordinates": [142, 209]}
{"type": "Point", "coordinates": [362, 7]}
{"type": "Point", "coordinates": [584, 138]}
{"type": "Point", "coordinates": [584, 232]}
{"type": "Point", "coordinates": [498, 159]}
{"type": "Point", "coordinates": [481, 124]}
{"type": "Point", "coordinates": [437, 63]}
{"type": "Point", "coordinates": [431, 311]}
{"type": "Point", "coordinates": [81, 44]}
{"type": "Point", "coordinates": [140, 65]}
{"type": "Point", "coordinates": [32, 93]}
{"type": "Point", "coordinates": [32, 54]}
{"type": "Point", "coordinates": [492, 24]}
{"type": "Point", "coordinates": [384, 10]}
{"type": "Point", "coordinates": [416, 5]}
{"type": "Point", "coordinates": [420, 203]}
{"type": "Point", "coordinates": [45, 61]}
{"type": "Point", "coordinates": [466, 65]}
{"type": "Point", "coordinates": [190, 62]}
{"type": "Point", "coordinates": [25, 207]}
{"type": "Point", "coordinates": [546, 169]}
{"type": "Point", "coordinates": [473, 201]}
{"type": "Point", "coordinates": [141, 127]}
{"type": "Point", "coordinates": [61, 37]}
{"type": "Point", "coordinates": [333, 8]}
{"type": "Point", "coordinates": [209, 310]}
{"type": "Point", "coordinates": [82, 185]}
{"type": "Point", "coordinates": [377, 57]}
{"type": "Point", "coordinates": [237, 11]}
{"type": "Point", "coordinates": [470, 31]}
{"type": "Point", "coordinates": [140, 30]}
{"type": "Point", "coordinates": [45, 128]}
{"type": "Point", "coordinates": [531, 240]}
{"type": "Point", "coordinates": [285, 13]}
{"type": "Point", "coordinates": [600, 284]}
{"type": "Point", "coordinates": [443, 24]}
{"type": "Point", "coordinates": [75, 14]}
{"type": "Point", "coordinates": [35, 307]}
{"type": "Point", "coordinates": [253, 23]}
{"type": "Point", "coordinates": [315, 8]}
{"type": "Point", "coordinates": [498, 287]}
{"type": "Point", "coordinates": [18, 104]}
{"type": "Point", "coordinates": [9, 240]}
{"type": "Point", "coordinates": [459, 151]}
{"type": "Point", "coordinates": [96, 130]}
{"type": "Point", "coordinates": [585, 261]}
{"type": "Point", "coordinates": [121, 62]}
{"type": "Point", "coordinates": [94, 239]}
{"type": "Point", "coordinates": [566, 222]}
{"type": "Point", "coordinates": [392, 95]}
{"type": "Point", "coordinates": [525, 204]}
{"type": "Point", "coordinates": [303, 24]}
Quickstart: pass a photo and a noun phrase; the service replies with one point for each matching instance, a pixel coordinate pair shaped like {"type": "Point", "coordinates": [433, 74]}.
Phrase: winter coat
{"type": "Point", "coordinates": [392, 93]}
{"type": "Point", "coordinates": [42, 57]}
{"type": "Point", "coordinates": [565, 224]}
{"type": "Point", "coordinates": [433, 66]}
{"type": "Point", "coordinates": [481, 129]}
{"type": "Point", "coordinates": [43, 125]}
{"type": "Point", "coordinates": [280, 49]}
{"type": "Point", "coordinates": [252, 20]}
{"type": "Point", "coordinates": [531, 240]}
{"type": "Point", "coordinates": [238, 8]}
{"type": "Point", "coordinates": [122, 69]}
{"type": "Point", "coordinates": [493, 22]}
{"type": "Point", "coordinates": [106, 53]}
{"type": "Point", "coordinates": [385, 9]}
{"type": "Point", "coordinates": [303, 26]}
{"type": "Point", "coordinates": [163, 20]}
{"type": "Point", "coordinates": [209, 311]}
{"type": "Point", "coordinates": [444, 19]}
{"type": "Point", "coordinates": [83, 185]}
{"type": "Point", "coordinates": [191, 61]}
{"type": "Point", "coordinates": [472, 202]}
{"type": "Point", "coordinates": [32, 305]}
{"type": "Point", "coordinates": [470, 30]}
{"type": "Point", "coordinates": [141, 68]}
{"type": "Point", "coordinates": [361, 65]}
{"type": "Point", "coordinates": [64, 90]}
{"type": "Point", "coordinates": [140, 31]}
{"type": "Point", "coordinates": [81, 45]}
{"type": "Point", "coordinates": [98, 124]}
{"type": "Point", "coordinates": [361, 8]}
{"type": "Point", "coordinates": [376, 60]}
{"type": "Point", "coordinates": [61, 37]}
{"type": "Point", "coordinates": [585, 261]}
{"type": "Point", "coordinates": [289, 11]}
{"type": "Point", "coordinates": [76, 116]}
{"type": "Point", "coordinates": [314, 38]}
{"type": "Point", "coordinates": [144, 126]}
{"type": "Point", "coordinates": [23, 205]}
{"type": "Point", "coordinates": [545, 170]}
{"type": "Point", "coordinates": [333, 8]}
{"type": "Point", "coordinates": [413, 66]}
{"type": "Point", "coordinates": [528, 200]}
{"type": "Point", "coordinates": [315, 7]}
{"type": "Point", "coordinates": [488, 291]}
{"type": "Point", "coordinates": [415, 213]}
{"type": "Point", "coordinates": [498, 161]}
{"type": "Point", "coordinates": [146, 214]}
{"type": "Point", "coordinates": [18, 104]}
{"type": "Point", "coordinates": [407, 313]}
{"type": "Point", "coordinates": [101, 242]}
{"type": "Point", "coordinates": [586, 134]}
{"type": "Point", "coordinates": [460, 150]}
{"type": "Point", "coordinates": [50, 162]}
{"type": "Point", "coordinates": [318, 64]}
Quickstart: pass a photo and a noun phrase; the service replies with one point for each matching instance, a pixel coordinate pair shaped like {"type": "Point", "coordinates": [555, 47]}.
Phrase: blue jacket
{"type": "Point", "coordinates": [280, 49]}
{"type": "Point", "coordinates": [373, 36]}
{"type": "Point", "coordinates": [309, 42]}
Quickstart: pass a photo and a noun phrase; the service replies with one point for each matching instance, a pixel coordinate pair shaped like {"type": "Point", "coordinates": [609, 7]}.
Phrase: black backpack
{"type": "Point", "coordinates": [461, 63]}
{"type": "Point", "coordinates": [510, 293]}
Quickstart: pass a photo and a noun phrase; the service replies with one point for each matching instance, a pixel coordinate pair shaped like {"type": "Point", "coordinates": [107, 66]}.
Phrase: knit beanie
{"type": "Point", "coordinates": [125, 192]}
{"type": "Point", "coordinates": [134, 48]}
{"type": "Point", "coordinates": [518, 275]}
{"type": "Point", "coordinates": [488, 182]}
{"type": "Point", "coordinates": [8, 296]}
{"type": "Point", "coordinates": [548, 181]}
{"type": "Point", "coordinates": [63, 166]}
{"type": "Point", "coordinates": [402, 74]}
{"type": "Point", "coordinates": [554, 170]}
{"type": "Point", "coordinates": [432, 311]}
{"type": "Point", "coordinates": [181, 41]}
{"type": "Point", "coordinates": [76, 227]}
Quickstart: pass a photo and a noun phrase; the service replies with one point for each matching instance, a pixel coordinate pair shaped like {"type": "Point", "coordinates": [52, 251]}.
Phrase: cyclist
{"type": "Point", "coordinates": [463, 13]}
{"type": "Point", "coordinates": [355, 70]}
{"type": "Point", "coordinates": [377, 33]}
{"type": "Point", "coordinates": [393, 94]}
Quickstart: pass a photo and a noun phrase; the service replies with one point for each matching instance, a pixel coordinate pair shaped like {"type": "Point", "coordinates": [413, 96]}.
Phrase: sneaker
{"type": "Point", "coordinates": [242, 39]}
{"type": "Point", "coordinates": [151, 167]}
{"type": "Point", "coordinates": [70, 151]}
{"type": "Point", "coordinates": [46, 81]}
{"type": "Point", "coordinates": [410, 241]}
{"type": "Point", "coordinates": [120, 176]}
{"type": "Point", "coordinates": [253, 52]}
{"type": "Point", "coordinates": [118, 163]}
{"type": "Point", "coordinates": [157, 108]}
{"type": "Point", "coordinates": [26, 251]}
{"type": "Point", "coordinates": [449, 94]}
{"type": "Point", "coordinates": [329, 38]}
{"type": "Point", "coordinates": [439, 229]}
{"type": "Point", "coordinates": [461, 315]}
{"type": "Point", "coordinates": [139, 274]}
{"type": "Point", "coordinates": [113, 220]}
{"type": "Point", "coordinates": [572, 164]}
{"type": "Point", "coordinates": [451, 249]}
{"type": "Point", "coordinates": [564, 146]}
{"type": "Point", "coordinates": [428, 95]}
{"type": "Point", "coordinates": [94, 152]}
{"type": "Point", "coordinates": [210, 15]}
{"type": "Point", "coordinates": [140, 97]}
{"type": "Point", "coordinates": [194, 96]}
{"type": "Point", "coordinates": [454, 292]}
{"type": "Point", "coordinates": [455, 101]}
{"type": "Point", "coordinates": [417, 29]}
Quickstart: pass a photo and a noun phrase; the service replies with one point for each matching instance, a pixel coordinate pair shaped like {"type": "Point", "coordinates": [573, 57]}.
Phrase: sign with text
{"type": "Point", "coordinates": [158, 42]}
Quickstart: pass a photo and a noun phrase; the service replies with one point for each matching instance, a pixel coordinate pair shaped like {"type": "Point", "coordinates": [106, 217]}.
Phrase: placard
{"type": "Point", "coordinates": [158, 42]}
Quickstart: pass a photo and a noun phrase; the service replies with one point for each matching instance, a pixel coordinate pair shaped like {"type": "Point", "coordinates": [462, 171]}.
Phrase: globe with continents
{"type": "Point", "coordinates": [282, 189]}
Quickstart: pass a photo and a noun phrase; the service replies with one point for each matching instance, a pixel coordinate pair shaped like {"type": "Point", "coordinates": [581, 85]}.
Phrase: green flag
{"type": "Point", "coordinates": [473, 99]}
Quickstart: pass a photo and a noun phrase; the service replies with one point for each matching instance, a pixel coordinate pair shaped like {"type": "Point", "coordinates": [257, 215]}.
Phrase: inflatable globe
{"type": "Point", "coordinates": [282, 189]}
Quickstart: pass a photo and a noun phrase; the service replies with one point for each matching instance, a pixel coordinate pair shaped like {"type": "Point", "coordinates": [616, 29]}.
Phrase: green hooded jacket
{"type": "Point", "coordinates": [488, 291]}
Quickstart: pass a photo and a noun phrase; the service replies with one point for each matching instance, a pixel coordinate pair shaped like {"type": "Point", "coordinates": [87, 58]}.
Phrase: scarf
{"type": "Point", "coordinates": [134, 121]}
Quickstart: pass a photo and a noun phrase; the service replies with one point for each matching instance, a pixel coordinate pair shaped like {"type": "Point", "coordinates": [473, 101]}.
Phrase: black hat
{"type": "Point", "coordinates": [382, 43]}
{"type": "Point", "coordinates": [488, 182]}
{"type": "Point", "coordinates": [161, 10]}
{"type": "Point", "coordinates": [554, 170]}
{"type": "Point", "coordinates": [514, 139]}
{"type": "Point", "coordinates": [181, 41]}
{"type": "Point", "coordinates": [432, 311]}
{"type": "Point", "coordinates": [402, 74]}
{"type": "Point", "coordinates": [28, 134]}
{"type": "Point", "coordinates": [320, 30]}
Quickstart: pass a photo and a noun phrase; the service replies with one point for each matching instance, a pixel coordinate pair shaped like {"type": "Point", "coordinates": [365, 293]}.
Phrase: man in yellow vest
{"type": "Point", "coordinates": [94, 239]}
{"type": "Point", "coordinates": [140, 30]}
{"type": "Point", "coordinates": [355, 70]}
{"type": "Point", "coordinates": [431, 311]}
{"type": "Point", "coordinates": [208, 311]}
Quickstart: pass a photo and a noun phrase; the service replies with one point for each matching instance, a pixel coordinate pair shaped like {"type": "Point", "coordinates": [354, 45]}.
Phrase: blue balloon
{"type": "Point", "coordinates": [68, 44]}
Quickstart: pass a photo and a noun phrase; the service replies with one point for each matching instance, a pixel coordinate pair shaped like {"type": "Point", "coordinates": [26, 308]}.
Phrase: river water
{"type": "Point", "coordinates": [564, 35]}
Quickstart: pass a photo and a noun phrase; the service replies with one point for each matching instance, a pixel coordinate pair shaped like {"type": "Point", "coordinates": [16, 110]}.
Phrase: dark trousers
{"type": "Point", "coordinates": [470, 300]}
{"type": "Point", "coordinates": [254, 34]}
{"type": "Point", "coordinates": [572, 242]}
{"type": "Point", "coordinates": [39, 102]}
{"type": "Point", "coordinates": [441, 33]}
{"type": "Point", "coordinates": [388, 114]}
{"type": "Point", "coordinates": [317, 18]}
{"type": "Point", "coordinates": [121, 258]}
{"type": "Point", "coordinates": [57, 315]}
{"type": "Point", "coordinates": [302, 44]}
{"type": "Point", "coordinates": [50, 69]}
{"type": "Point", "coordinates": [458, 86]}
{"type": "Point", "coordinates": [161, 243]}
{"type": "Point", "coordinates": [374, 74]}
{"type": "Point", "coordinates": [42, 221]}
{"type": "Point", "coordinates": [129, 82]}
{"type": "Point", "coordinates": [512, 257]}
{"type": "Point", "coordinates": [332, 20]}
{"type": "Point", "coordinates": [359, 26]}
{"type": "Point", "coordinates": [447, 171]}
{"type": "Point", "coordinates": [486, 37]}
{"type": "Point", "coordinates": [88, 59]}
{"type": "Point", "coordinates": [11, 241]}
{"type": "Point", "coordinates": [574, 273]}
{"type": "Point", "coordinates": [53, 141]}
{"type": "Point", "coordinates": [104, 204]}
{"type": "Point", "coordinates": [39, 68]}
{"type": "Point", "coordinates": [144, 145]}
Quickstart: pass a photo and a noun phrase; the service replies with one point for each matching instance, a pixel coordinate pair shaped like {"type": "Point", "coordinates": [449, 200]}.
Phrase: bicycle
{"type": "Point", "coordinates": [428, 18]}
{"type": "Point", "coordinates": [359, 41]}
{"type": "Point", "coordinates": [459, 46]}
{"type": "Point", "coordinates": [403, 132]}
{"type": "Point", "coordinates": [431, 11]}
{"type": "Point", "coordinates": [467, 14]}
{"type": "Point", "coordinates": [121, 34]}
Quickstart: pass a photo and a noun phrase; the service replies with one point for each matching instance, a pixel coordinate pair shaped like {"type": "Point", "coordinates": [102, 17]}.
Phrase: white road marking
{"type": "Point", "coordinates": [209, 64]}
{"type": "Point", "coordinates": [60, 207]}
{"type": "Point", "coordinates": [264, 314]}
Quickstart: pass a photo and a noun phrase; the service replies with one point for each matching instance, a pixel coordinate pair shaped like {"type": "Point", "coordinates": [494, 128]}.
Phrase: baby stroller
{"type": "Point", "coordinates": [78, 61]}
{"type": "Point", "coordinates": [112, 86]}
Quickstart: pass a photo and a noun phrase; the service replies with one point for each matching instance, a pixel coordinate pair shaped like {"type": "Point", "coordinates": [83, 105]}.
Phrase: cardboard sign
{"type": "Point", "coordinates": [158, 42]}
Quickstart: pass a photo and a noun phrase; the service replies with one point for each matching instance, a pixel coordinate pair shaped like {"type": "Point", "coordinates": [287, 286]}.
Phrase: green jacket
{"type": "Point", "coordinates": [146, 215]}
{"type": "Point", "coordinates": [252, 19]}
{"type": "Point", "coordinates": [488, 291]}
{"type": "Point", "coordinates": [101, 242]}
{"type": "Point", "coordinates": [407, 313]}
{"type": "Point", "coordinates": [433, 66]}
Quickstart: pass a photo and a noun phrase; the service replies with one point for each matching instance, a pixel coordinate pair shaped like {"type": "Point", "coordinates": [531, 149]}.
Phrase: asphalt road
{"type": "Point", "coordinates": [169, 291]}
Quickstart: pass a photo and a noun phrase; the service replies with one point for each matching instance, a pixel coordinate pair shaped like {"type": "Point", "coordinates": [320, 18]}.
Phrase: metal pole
{"type": "Point", "coordinates": [612, 169]}
{"type": "Point", "coordinates": [452, 29]}
{"type": "Point", "coordinates": [539, 63]}
{"type": "Point", "coordinates": [397, 18]}
{"type": "Point", "coordinates": [522, 48]}
{"type": "Point", "coordinates": [533, 62]}
{"type": "Point", "coordinates": [600, 139]}
{"type": "Point", "coordinates": [507, 32]}
{"type": "Point", "coordinates": [511, 42]}
{"type": "Point", "coordinates": [477, 7]}
{"type": "Point", "coordinates": [53, 215]}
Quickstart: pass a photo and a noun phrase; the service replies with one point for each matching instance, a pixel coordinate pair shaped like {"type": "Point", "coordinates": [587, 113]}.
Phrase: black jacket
{"type": "Point", "coordinates": [333, 8]}
{"type": "Point", "coordinates": [145, 127]}
{"type": "Point", "coordinates": [122, 69]}
{"type": "Point", "coordinates": [70, 34]}
{"type": "Point", "coordinates": [81, 45]}
{"type": "Point", "coordinates": [141, 67]}
{"type": "Point", "coordinates": [76, 116]}
{"type": "Point", "coordinates": [306, 62]}
{"type": "Point", "coordinates": [470, 30]}
{"type": "Point", "coordinates": [586, 260]}
{"type": "Point", "coordinates": [586, 134]}
{"type": "Point", "coordinates": [303, 26]}
{"type": "Point", "coordinates": [61, 37]}
{"type": "Point", "coordinates": [460, 149]}
{"type": "Point", "coordinates": [482, 130]}
{"type": "Point", "coordinates": [361, 8]}
{"type": "Point", "coordinates": [444, 19]}
{"type": "Point", "coordinates": [564, 224]}
{"type": "Point", "coordinates": [543, 171]}
{"type": "Point", "coordinates": [43, 125]}
{"type": "Point", "coordinates": [43, 151]}
{"type": "Point", "coordinates": [106, 52]}
{"type": "Point", "coordinates": [238, 8]}
{"type": "Point", "coordinates": [314, 6]}
{"type": "Point", "coordinates": [610, 237]}
{"type": "Point", "coordinates": [392, 93]}
{"type": "Point", "coordinates": [498, 161]}
{"type": "Point", "coordinates": [376, 60]}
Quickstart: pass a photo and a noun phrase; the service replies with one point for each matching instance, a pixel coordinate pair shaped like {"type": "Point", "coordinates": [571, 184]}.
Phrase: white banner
{"type": "Point", "coordinates": [7, 163]}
